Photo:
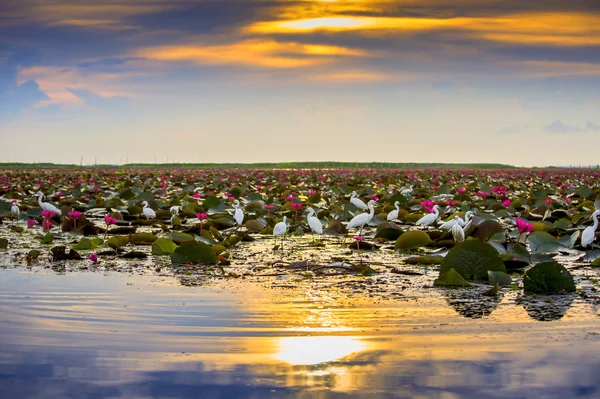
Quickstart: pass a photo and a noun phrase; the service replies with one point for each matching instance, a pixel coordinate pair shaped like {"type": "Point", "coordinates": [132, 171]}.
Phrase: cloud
{"type": "Point", "coordinates": [97, 101]}
{"type": "Point", "coordinates": [256, 53]}
{"type": "Point", "coordinates": [15, 96]}
{"type": "Point", "coordinates": [559, 126]}
{"type": "Point", "coordinates": [591, 127]}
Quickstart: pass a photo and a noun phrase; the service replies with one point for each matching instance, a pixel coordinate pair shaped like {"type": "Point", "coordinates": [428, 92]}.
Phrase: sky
{"type": "Point", "coordinates": [117, 81]}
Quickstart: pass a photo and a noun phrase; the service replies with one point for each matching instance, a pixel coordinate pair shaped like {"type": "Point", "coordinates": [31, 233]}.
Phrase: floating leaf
{"type": "Point", "coordinates": [542, 242]}
{"type": "Point", "coordinates": [499, 278]}
{"type": "Point", "coordinates": [492, 291]}
{"type": "Point", "coordinates": [472, 259]}
{"type": "Point", "coordinates": [143, 238]}
{"type": "Point", "coordinates": [547, 278]}
{"type": "Point", "coordinates": [569, 241]}
{"type": "Point", "coordinates": [163, 246]}
{"type": "Point", "coordinates": [33, 254]}
{"type": "Point", "coordinates": [451, 278]}
{"type": "Point", "coordinates": [487, 229]}
{"type": "Point", "coordinates": [84, 244]}
{"type": "Point", "coordinates": [412, 239]}
{"type": "Point", "coordinates": [585, 192]}
{"type": "Point", "coordinates": [424, 260]}
{"type": "Point", "coordinates": [388, 230]}
{"type": "Point", "coordinates": [3, 243]}
{"type": "Point", "coordinates": [116, 242]}
{"type": "Point", "coordinates": [48, 238]}
{"type": "Point", "coordinates": [178, 238]}
{"type": "Point", "coordinates": [193, 252]}
{"type": "Point", "coordinates": [212, 201]}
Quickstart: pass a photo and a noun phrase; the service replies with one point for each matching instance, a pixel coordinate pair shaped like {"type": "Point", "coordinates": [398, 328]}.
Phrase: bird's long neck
{"type": "Point", "coordinates": [40, 199]}
{"type": "Point", "coordinates": [596, 221]}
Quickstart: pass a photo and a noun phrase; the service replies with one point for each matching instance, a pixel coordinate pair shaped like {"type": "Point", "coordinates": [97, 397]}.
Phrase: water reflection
{"type": "Point", "coordinates": [472, 303]}
{"type": "Point", "coordinates": [85, 335]}
{"type": "Point", "coordinates": [547, 307]}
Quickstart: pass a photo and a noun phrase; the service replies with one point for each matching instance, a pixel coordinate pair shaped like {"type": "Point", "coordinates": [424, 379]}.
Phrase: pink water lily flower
{"type": "Point", "coordinates": [506, 203]}
{"type": "Point", "coordinates": [48, 214]}
{"type": "Point", "coordinates": [94, 258]}
{"type": "Point", "coordinates": [47, 224]}
{"type": "Point", "coordinates": [30, 223]}
{"type": "Point", "coordinates": [74, 215]}
{"type": "Point", "coordinates": [524, 226]}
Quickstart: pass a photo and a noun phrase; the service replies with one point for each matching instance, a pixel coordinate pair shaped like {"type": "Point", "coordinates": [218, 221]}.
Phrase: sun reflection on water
{"type": "Point", "coordinates": [315, 350]}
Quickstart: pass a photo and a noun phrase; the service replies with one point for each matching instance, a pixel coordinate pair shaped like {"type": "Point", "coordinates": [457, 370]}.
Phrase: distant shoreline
{"type": "Point", "coordinates": [261, 165]}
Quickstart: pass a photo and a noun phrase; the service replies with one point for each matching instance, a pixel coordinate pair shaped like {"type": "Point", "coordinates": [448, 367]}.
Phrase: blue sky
{"type": "Point", "coordinates": [243, 81]}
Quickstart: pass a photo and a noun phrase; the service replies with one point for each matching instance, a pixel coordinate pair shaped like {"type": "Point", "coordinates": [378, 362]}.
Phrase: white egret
{"type": "Point", "coordinates": [357, 202]}
{"type": "Point", "coordinates": [393, 215]}
{"type": "Point", "coordinates": [174, 212]}
{"type": "Point", "coordinates": [238, 214]}
{"type": "Point", "coordinates": [280, 230]}
{"type": "Point", "coordinates": [314, 223]}
{"type": "Point", "coordinates": [407, 191]}
{"type": "Point", "coordinates": [590, 232]}
{"type": "Point", "coordinates": [15, 211]}
{"type": "Point", "coordinates": [47, 206]}
{"type": "Point", "coordinates": [458, 233]}
{"type": "Point", "coordinates": [457, 219]}
{"type": "Point", "coordinates": [363, 218]}
{"type": "Point", "coordinates": [429, 219]}
{"type": "Point", "coordinates": [148, 212]}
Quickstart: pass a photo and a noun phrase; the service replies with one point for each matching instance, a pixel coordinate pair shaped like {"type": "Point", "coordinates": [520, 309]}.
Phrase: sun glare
{"type": "Point", "coordinates": [317, 349]}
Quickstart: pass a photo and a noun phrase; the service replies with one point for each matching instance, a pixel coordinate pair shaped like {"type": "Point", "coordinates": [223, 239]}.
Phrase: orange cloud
{"type": "Point", "coordinates": [564, 29]}
{"type": "Point", "coordinates": [259, 53]}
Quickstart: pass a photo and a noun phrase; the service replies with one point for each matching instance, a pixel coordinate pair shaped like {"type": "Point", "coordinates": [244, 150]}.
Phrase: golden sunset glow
{"type": "Point", "coordinates": [268, 53]}
{"type": "Point", "coordinates": [317, 349]}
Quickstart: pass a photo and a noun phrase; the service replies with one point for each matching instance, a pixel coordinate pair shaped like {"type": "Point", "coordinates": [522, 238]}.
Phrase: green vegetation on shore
{"type": "Point", "coordinates": [261, 165]}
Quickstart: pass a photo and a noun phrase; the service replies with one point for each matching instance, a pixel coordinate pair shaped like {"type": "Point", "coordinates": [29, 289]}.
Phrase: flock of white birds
{"type": "Point", "coordinates": [457, 226]}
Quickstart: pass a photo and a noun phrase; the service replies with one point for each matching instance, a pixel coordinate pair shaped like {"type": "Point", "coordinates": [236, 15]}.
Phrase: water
{"type": "Point", "coordinates": [114, 335]}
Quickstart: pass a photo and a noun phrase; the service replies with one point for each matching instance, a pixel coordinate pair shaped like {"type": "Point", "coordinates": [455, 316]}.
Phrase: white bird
{"type": "Point", "coordinates": [393, 215]}
{"type": "Point", "coordinates": [429, 219]}
{"type": "Point", "coordinates": [407, 191]}
{"type": "Point", "coordinates": [15, 211]}
{"type": "Point", "coordinates": [357, 202]}
{"type": "Point", "coordinates": [590, 232]}
{"type": "Point", "coordinates": [148, 212]}
{"type": "Point", "coordinates": [280, 230]}
{"type": "Point", "coordinates": [174, 212]}
{"type": "Point", "coordinates": [457, 219]}
{"type": "Point", "coordinates": [47, 206]}
{"type": "Point", "coordinates": [458, 233]}
{"type": "Point", "coordinates": [238, 214]}
{"type": "Point", "coordinates": [363, 218]}
{"type": "Point", "coordinates": [313, 222]}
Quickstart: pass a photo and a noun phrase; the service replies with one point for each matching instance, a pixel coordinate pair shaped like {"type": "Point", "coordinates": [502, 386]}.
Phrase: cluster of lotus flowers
{"type": "Point", "coordinates": [420, 196]}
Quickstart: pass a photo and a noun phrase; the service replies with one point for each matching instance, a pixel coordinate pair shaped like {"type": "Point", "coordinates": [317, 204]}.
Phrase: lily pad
{"type": "Point", "coordinates": [499, 278]}
{"type": "Point", "coordinates": [3, 243]}
{"type": "Point", "coordinates": [143, 238]}
{"type": "Point", "coordinates": [487, 229]}
{"type": "Point", "coordinates": [542, 242]}
{"type": "Point", "coordinates": [388, 230]}
{"type": "Point", "coordinates": [84, 244]}
{"type": "Point", "coordinates": [451, 279]}
{"type": "Point", "coordinates": [473, 259]}
{"type": "Point", "coordinates": [193, 252]}
{"type": "Point", "coordinates": [163, 246]}
{"type": "Point", "coordinates": [547, 278]}
{"type": "Point", "coordinates": [48, 238]}
{"type": "Point", "coordinates": [412, 239]}
{"type": "Point", "coordinates": [117, 242]}
{"type": "Point", "coordinates": [424, 260]}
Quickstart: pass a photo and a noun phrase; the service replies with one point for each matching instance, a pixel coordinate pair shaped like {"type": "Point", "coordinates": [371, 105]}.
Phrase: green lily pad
{"type": "Point", "coordinates": [48, 238]}
{"type": "Point", "coordinates": [178, 238]}
{"type": "Point", "coordinates": [143, 238]}
{"type": "Point", "coordinates": [547, 278]}
{"type": "Point", "coordinates": [33, 254]}
{"type": "Point", "coordinates": [3, 243]}
{"type": "Point", "coordinates": [193, 252]}
{"type": "Point", "coordinates": [451, 278]}
{"type": "Point", "coordinates": [499, 278]}
{"type": "Point", "coordinates": [163, 246]}
{"type": "Point", "coordinates": [116, 242]}
{"type": "Point", "coordinates": [542, 242]}
{"type": "Point", "coordinates": [212, 201]}
{"type": "Point", "coordinates": [473, 259]}
{"type": "Point", "coordinates": [84, 244]}
{"type": "Point", "coordinates": [424, 260]}
{"type": "Point", "coordinates": [388, 230]}
{"type": "Point", "coordinates": [412, 239]}
{"type": "Point", "coordinates": [585, 192]}
{"type": "Point", "coordinates": [487, 229]}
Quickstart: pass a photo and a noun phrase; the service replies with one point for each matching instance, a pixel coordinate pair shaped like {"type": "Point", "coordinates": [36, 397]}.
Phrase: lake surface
{"type": "Point", "coordinates": [115, 335]}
